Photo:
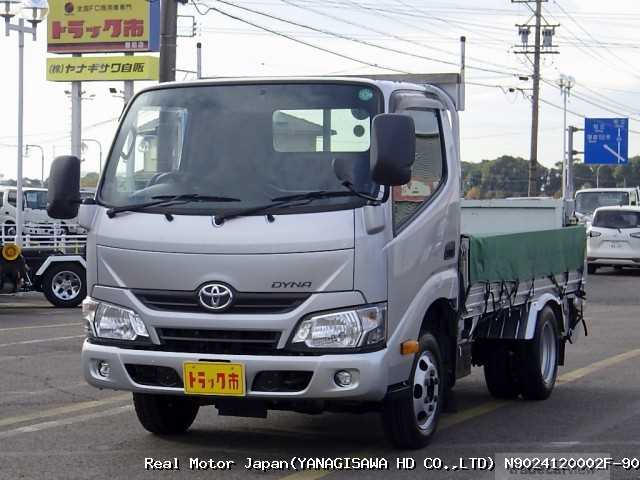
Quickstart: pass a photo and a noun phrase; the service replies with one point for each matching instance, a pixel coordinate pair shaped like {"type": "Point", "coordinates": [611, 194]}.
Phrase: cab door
{"type": "Point", "coordinates": [423, 253]}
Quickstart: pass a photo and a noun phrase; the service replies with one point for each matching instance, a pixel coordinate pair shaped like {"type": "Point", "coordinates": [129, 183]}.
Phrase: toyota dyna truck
{"type": "Point", "coordinates": [296, 244]}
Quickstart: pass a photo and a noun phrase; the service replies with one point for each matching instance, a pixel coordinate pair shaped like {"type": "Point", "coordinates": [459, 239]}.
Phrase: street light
{"type": "Point", "coordinates": [33, 11]}
{"type": "Point", "coordinates": [84, 146]}
{"type": "Point", "coordinates": [42, 155]}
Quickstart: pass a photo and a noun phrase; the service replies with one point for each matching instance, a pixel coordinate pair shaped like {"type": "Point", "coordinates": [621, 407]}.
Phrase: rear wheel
{"type": "Point", "coordinates": [411, 421]}
{"type": "Point", "coordinates": [9, 229]}
{"type": "Point", "coordinates": [591, 268]}
{"type": "Point", "coordinates": [165, 414]}
{"type": "Point", "coordinates": [500, 373]}
{"type": "Point", "coordinates": [539, 363]}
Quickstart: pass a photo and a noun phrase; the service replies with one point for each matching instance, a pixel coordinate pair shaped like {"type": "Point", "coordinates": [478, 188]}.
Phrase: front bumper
{"type": "Point", "coordinates": [370, 378]}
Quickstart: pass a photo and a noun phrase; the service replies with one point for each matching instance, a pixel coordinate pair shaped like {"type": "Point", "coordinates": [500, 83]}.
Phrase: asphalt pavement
{"type": "Point", "coordinates": [54, 426]}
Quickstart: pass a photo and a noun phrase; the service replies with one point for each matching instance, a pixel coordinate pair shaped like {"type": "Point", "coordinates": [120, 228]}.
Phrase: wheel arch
{"type": "Point", "coordinates": [537, 306]}
{"type": "Point", "coordinates": [441, 320]}
{"type": "Point", "coordinates": [57, 259]}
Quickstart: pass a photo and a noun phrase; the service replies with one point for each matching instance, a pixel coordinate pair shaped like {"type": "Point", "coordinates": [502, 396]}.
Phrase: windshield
{"type": "Point", "coordinates": [247, 142]}
{"type": "Point", "coordinates": [34, 199]}
{"type": "Point", "coordinates": [617, 219]}
{"type": "Point", "coordinates": [587, 202]}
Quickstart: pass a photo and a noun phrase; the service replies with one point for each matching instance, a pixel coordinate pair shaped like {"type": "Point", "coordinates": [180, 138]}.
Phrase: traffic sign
{"type": "Point", "coordinates": [606, 141]}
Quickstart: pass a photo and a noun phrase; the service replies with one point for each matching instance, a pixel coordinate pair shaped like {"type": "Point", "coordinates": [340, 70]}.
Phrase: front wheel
{"type": "Point", "coordinates": [411, 421]}
{"type": "Point", "coordinates": [65, 284]}
{"type": "Point", "coordinates": [539, 363]}
{"type": "Point", "coordinates": [165, 414]}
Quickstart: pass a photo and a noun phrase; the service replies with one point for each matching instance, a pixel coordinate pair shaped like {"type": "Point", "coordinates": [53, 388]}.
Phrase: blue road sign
{"type": "Point", "coordinates": [606, 140]}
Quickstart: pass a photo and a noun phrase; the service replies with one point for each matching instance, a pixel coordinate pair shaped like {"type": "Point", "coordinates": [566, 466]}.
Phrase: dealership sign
{"type": "Point", "coordinates": [87, 69]}
{"type": "Point", "coordinates": [86, 26]}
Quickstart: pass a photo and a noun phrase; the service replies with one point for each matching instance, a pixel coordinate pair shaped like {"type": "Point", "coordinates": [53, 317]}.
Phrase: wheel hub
{"type": "Point", "coordinates": [548, 353]}
{"type": "Point", "coordinates": [66, 285]}
{"type": "Point", "coordinates": [426, 391]}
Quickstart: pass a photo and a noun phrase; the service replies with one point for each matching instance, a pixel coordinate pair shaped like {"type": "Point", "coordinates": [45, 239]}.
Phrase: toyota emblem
{"type": "Point", "coordinates": [215, 296]}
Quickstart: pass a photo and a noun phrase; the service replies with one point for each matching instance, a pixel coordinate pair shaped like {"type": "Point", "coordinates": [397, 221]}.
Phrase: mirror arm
{"type": "Point", "coordinates": [385, 194]}
{"type": "Point", "coordinates": [370, 198]}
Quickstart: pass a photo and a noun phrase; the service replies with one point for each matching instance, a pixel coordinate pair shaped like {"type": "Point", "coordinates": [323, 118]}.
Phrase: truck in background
{"type": "Point", "coordinates": [296, 244]}
{"type": "Point", "coordinates": [51, 261]}
{"type": "Point", "coordinates": [587, 200]}
{"type": "Point", "coordinates": [35, 217]}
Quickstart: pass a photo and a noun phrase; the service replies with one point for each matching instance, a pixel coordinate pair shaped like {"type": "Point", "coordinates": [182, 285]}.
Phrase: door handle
{"type": "Point", "coordinates": [449, 250]}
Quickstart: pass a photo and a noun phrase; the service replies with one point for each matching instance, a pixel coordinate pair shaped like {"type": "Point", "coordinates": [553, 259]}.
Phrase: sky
{"type": "Point", "coordinates": [599, 45]}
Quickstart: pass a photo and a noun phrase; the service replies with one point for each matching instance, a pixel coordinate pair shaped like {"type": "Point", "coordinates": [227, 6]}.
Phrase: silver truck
{"type": "Point", "coordinates": [296, 244]}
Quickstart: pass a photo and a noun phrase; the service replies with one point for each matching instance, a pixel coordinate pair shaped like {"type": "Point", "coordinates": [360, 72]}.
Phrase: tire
{"type": "Point", "coordinates": [539, 358]}
{"type": "Point", "coordinates": [501, 373]}
{"type": "Point", "coordinates": [591, 268]}
{"type": "Point", "coordinates": [404, 426]}
{"type": "Point", "coordinates": [165, 414]}
{"type": "Point", "coordinates": [9, 229]}
{"type": "Point", "coordinates": [65, 284]}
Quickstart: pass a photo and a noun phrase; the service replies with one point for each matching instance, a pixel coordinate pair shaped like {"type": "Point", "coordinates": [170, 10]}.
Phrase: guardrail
{"type": "Point", "coordinates": [64, 238]}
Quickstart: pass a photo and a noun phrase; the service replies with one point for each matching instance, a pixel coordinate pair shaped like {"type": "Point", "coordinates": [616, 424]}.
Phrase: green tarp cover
{"type": "Point", "coordinates": [525, 256]}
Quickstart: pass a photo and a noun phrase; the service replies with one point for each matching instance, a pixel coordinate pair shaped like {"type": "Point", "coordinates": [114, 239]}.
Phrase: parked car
{"type": "Point", "coordinates": [614, 238]}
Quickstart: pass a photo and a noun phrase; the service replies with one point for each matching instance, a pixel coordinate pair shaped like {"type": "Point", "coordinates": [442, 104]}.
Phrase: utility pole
{"type": "Point", "coordinates": [543, 45]}
{"type": "Point", "coordinates": [570, 190]}
{"type": "Point", "coordinates": [128, 86]}
{"type": "Point", "coordinates": [566, 84]}
{"type": "Point", "coordinates": [76, 117]}
{"type": "Point", "coordinates": [168, 34]}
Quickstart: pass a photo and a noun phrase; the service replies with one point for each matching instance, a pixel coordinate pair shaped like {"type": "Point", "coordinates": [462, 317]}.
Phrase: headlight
{"type": "Point", "coordinates": [362, 327]}
{"type": "Point", "coordinates": [104, 320]}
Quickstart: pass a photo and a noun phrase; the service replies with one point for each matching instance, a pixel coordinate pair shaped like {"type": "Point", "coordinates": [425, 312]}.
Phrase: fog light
{"type": "Point", "coordinates": [342, 378]}
{"type": "Point", "coordinates": [104, 369]}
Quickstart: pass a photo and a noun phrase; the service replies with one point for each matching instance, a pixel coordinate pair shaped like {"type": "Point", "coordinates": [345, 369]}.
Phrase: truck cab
{"type": "Point", "coordinates": [588, 200]}
{"type": "Point", "coordinates": [292, 244]}
{"type": "Point", "coordinates": [34, 205]}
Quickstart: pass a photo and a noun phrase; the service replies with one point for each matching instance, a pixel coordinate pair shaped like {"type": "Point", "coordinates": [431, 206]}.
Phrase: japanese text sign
{"type": "Point", "coordinates": [606, 140]}
{"type": "Point", "coordinates": [85, 26]}
{"type": "Point", "coordinates": [84, 69]}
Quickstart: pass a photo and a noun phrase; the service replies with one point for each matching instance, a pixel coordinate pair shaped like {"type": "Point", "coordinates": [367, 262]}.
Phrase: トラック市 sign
{"type": "Point", "coordinates": [85, 26]}
{"type": "Point", "coordinates": [606, 140]}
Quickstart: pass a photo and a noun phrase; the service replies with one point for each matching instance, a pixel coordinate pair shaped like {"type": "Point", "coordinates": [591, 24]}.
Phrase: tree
{"type": "Point", "coordinates": [505, 176]}
{"type": "Point", "coordinates": [628, 175]}
{"type": "Point", "coordinates": [474, 193]}
{"type": "Point", "coordinates": [90, 179]}
{"type": "Point", "coordinates": [584, 176]}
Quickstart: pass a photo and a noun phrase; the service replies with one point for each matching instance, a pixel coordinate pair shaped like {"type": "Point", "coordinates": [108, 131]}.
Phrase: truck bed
{"type": "Point", "coordinates": [505, 272]}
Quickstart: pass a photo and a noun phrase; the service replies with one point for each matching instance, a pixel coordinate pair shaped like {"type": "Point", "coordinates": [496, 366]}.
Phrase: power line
{"type": "Point", "coordinates": [388, 34]}
{"type": "Point", "coordinates": [289, 37]}
{"type": "Point", "coordinates": [333, 34]}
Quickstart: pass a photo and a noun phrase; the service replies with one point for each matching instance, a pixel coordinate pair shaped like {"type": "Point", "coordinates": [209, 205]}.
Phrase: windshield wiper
{"type": "Point", "coordinates": [196, 197]}
{"type": "Point", "coordinates": [314, 195]}
{"type": "Point", "coordinates": [290, 201]}
{"type": "Point", "coordinates": [168, 200]}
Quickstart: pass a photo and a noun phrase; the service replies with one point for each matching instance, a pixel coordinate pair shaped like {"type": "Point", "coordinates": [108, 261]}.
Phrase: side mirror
{"type": "Point", "coordinates": [63, 198]}
{"type": "Point", "coordinates": [393, 149]}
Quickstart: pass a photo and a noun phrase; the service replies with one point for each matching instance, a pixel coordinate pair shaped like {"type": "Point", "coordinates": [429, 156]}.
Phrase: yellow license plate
{"type": "Point", "coordinates": [214, 378]}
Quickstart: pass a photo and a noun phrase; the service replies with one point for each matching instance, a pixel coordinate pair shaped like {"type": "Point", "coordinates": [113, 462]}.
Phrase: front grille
{"type": "Point", "coordinates": [223, 342]}
{"type": "Point", "coordinates": [187, 301]}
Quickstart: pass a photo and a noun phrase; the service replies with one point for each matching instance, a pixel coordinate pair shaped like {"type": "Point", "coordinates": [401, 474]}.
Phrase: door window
{"type": "Point", "coordinates": [428, 170]}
